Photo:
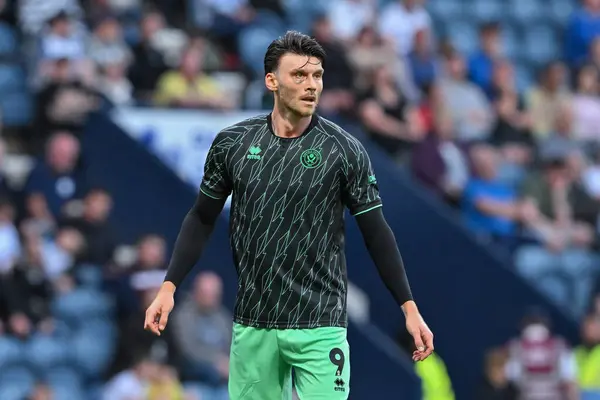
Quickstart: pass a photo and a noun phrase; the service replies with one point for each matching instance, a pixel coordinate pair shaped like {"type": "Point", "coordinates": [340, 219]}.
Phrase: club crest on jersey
{"type": "Point", "coordinates": [254, 153]}
{"type": "Point", "coordinates": [311, 158]}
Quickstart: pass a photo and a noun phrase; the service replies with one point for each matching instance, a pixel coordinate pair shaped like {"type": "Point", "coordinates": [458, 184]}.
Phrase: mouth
{"type": "Point", "coordinates": [309, 99]}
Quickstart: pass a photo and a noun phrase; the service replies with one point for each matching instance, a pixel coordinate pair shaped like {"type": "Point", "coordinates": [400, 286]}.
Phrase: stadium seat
{"type": "Point", "coordinates": [540, 44]}
{"type": "Point", "coordinates": [64, 381]}
{"type": "Point", "coordinates": [16, 383]}
{"type": "Point", "coordinates": [93, 353]}
{"type": "Point", "coordinates": [486, 10]}
{"type": "Point", "coordinates": [560, 10]}
{"type": "Point", "coordinates": [510, 42]}
{"type": "Point", "coordinates": [45, 352]}
{"type": "Point", "coordinates": [253, 42]}
{"type": "Point", "coordinates": [17, 108]}
{"type": "Point", "coordinates": [81, 304]}
{"type": "Point", "coordinates": [11, 352]}
{"type": "Point", "coordinates": [446, 9]}
{"type": "Point", "coordinates": [270, 20]}
{"type": "Point", "coordinates": [525, 12]}
{"type": "Point", "coordinates": [8, 40]}
{"type": "Point", "coordinates": [89, 276]}
{"type": "Point", "coordinates": [12, 78]}
{"type": "Point", "coordinates": [463, 36]}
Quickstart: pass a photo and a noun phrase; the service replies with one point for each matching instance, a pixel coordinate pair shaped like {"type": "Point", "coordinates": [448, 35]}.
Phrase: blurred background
{"type": "Point", "coordinates": [482, 120]}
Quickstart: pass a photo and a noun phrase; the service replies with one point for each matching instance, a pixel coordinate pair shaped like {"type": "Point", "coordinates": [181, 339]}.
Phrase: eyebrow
{"type": "Point", "coordinates": [301, 69]}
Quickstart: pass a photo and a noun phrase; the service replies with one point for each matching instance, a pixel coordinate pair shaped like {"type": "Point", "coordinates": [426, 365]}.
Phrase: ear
{"type": "Point", "coordinates": [271, 82]}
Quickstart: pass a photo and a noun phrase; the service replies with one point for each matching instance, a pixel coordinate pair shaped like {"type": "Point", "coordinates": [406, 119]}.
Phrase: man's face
{"type": "Point", "coordinates": [299, 81]}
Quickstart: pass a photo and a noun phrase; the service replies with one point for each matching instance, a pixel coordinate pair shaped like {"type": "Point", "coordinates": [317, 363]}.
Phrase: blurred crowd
{"type": "Point", "coordinates": [507, 138]}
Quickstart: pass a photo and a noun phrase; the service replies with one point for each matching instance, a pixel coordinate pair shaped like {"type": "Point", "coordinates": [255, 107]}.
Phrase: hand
{"type": "Point", "coordinates": [157, 315]}
{"type": "Point", "coordinates": [421, 334]}
{"type": "Point", "coordinates": [528, 211]}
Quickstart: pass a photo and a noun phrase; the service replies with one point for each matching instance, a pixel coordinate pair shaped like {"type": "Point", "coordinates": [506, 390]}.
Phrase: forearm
{"type": "Point", "coordinates": [195, 231]}
{"type": "Point", "coordinates": [382, 247]}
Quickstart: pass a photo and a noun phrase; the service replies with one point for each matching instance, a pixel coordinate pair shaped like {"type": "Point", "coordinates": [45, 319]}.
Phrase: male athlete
{"type": "Point", "coordinates": [290, 174]}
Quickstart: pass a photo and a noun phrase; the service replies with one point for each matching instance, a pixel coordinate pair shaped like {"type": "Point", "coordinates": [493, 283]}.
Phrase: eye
{"type": "Point", "coordinates": [299, 75]}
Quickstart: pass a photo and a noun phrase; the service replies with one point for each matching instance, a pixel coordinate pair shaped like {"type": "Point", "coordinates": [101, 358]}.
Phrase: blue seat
{"type": "Point", "coordinates": [45, 352]}
{"type": "Point", "coordinates": [64, 376]}
{"type": "Point", "coordinates": [81, 304]}
{"type": "Point", "coordinates": [14, 391]}
{"type": "Point", "coordinates": [16, 383]}
{"type": "Point", "coordinates": [463, 36]}
{"type": "Point", "coordinates": [252, 43]}
{"type": "Point", "coordinates": [89, 276]}
{"type": "Point", "coordinates": [62, 392]}
{"type": "Point", "coordinates": [486, 10]}
{"type": "Point", "coordinates": [93, 353]}
{"type": "Point", "coordinates": [17, 108]}
{"type": "Point", "coordinates": [560, 10]}
{"type": "Point", "coordinates": [510, 42]}
{"type": "Point", "coordinates": [446, 9]}
{"type": "Point", "coordinates": [523, 77]}
{"type": "Point", "coordinates": [11, 352]}
{"type": "Point", "coordinates": [526, 12]}
{"type": "Point", "coordinates": [12, 78]}
{"type": "Point", "coordinates": [8, 39]}
{"type": "Point", "coordinates": [540, 44]}
{"type": "Point", "coordinates": [268, 19]}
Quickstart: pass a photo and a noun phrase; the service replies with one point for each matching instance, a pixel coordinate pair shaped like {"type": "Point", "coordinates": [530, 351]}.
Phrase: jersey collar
{"type": "Point", "coordinates": [313, 122]}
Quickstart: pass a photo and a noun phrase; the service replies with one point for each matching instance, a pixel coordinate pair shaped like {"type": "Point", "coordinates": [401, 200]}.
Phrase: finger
{"type": "Point", "coordinates": [428, 338]}
{"type": "Point", "coordinates": [150, 323]}
{"type": "Point", "coordinates": [418, 341]}
{"type": "Point", "coordinates": [164, 318]}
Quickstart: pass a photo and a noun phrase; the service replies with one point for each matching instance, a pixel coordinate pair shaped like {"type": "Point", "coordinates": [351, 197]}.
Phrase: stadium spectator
{"type": "Point", "coordinates": [59, 177]}
{"type": "Point", "coordinates": [467, 104]}
{"type": "Point", "coordinates": [541, 363]}
{"type": "Point", "coordinates": [107, 45]}
{"type": "Point", "coordinates": [495, 384]}
{"type": "Point", "coordinates": [481, 63]}
{"type": "Point", "coordinates": [100, 235]}
{"type": "Point", "coordinates": [62, 40]}
{"type": "Point", "coordinates": [563, 262]}
{"type": "Point", "coordinates": [583, 26]}
{"type": "Point", "coordinates": [400, 20]}
{"type": "Point", "coordinates": [588, 355]}
{"type": "Point", "coordinates": [189, 86]}
{"type": "Point", "coordinates": [337, 97]}
{"type": "Point", "coordinates": [388, 118]}
{"type": "Point", "coordinates": [148, 62]}
{"type": "Point", "coordinates": [423, 61]}
{"type": "Point", "coordinates": [441, 163]}
{"type": "Point", "coordinates": [492, 209]}
{"type": "Point", "coordinates": [349, 17]}
{"type": "Point", "coordinates": [547, 98]}
{"type": "Point", "coordinates": [202, 332]}
{"type": "Point", "coordinates": [146, 274]}
{"type": "Point", "coordinates": [586, 105]}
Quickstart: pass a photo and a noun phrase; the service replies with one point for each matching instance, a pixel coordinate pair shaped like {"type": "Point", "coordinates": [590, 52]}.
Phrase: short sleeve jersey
{"type": "Point", "coordinates": [287, 218]}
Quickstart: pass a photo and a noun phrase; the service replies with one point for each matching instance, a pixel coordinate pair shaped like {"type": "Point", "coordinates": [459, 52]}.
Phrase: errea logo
{"type": "Point", "coordinates": [254, 153]}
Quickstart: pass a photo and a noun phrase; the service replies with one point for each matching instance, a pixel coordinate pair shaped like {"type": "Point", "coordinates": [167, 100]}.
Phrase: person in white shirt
{"type": "Point", "coordinates": [401, 20]}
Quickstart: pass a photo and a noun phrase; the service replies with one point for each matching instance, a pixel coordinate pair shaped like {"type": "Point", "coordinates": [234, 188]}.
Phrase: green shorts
{"type": "Point", "coordinates": [260, 367]}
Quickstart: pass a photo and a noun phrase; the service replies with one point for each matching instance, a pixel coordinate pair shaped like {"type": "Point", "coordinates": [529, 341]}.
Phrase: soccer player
{"type": "Point", "coordinates": [290, 174]}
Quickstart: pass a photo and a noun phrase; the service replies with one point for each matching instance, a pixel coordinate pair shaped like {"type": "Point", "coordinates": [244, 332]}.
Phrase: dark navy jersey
{"type": "Point", "coordinates": [287, 218]}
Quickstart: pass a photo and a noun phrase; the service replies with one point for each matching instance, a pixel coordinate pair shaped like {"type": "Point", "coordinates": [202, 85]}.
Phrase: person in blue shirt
{"type": "Point", "coordinates": [491, 208]}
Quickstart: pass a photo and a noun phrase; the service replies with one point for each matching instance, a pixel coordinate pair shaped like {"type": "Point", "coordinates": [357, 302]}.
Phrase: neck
{"type": "Point", "coordinates": [288, 124]}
